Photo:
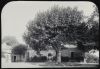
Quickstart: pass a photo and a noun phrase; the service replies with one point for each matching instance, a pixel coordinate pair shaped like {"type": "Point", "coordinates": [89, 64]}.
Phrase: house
{"type": "Point", "coordinates": [49, 50]}
{"type": "Point", "coordinates": [6, 52]}
{"type": "Point", "coordinates": [32, 53]}
{"type": "Point", "coordinates": [71, 53]}
{"type": "Point", "coordinates": [18, 53]}
{"type": "Point", "coordinates": [29, 54]}
{"type": "Point", "coordinates": [18, 58]}
{"type": "Point", "coordinates": [68, 53]}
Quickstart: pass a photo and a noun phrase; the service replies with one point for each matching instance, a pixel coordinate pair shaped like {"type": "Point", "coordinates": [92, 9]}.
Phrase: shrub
{"type": "Point", "coordinates": [54, 58]}
{"type": "Point", "coordinates": [64, 59]}
{"type": "Point", "coordinates": [39, 59]}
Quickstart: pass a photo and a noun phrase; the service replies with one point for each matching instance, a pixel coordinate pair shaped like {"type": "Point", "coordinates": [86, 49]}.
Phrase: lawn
{"type": "Point", "coordinates": [44, 65]}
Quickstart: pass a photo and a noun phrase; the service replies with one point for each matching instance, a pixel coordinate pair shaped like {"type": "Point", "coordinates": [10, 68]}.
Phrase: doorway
{"type": "Point", "coordinates": [14, 58]}
{"type": "Point", "coordinates": [72, 54]}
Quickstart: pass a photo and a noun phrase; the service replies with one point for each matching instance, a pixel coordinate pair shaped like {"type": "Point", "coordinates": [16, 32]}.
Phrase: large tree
{"type": "Point", "coordinates": [54, 27]}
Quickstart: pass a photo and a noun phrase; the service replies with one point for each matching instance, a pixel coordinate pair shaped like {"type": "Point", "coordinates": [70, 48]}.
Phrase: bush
{"type": "Point", "coordinates": [91, 59]}
{"type": "Point", "coordinates": [64, 59]}
{"type": "Point", "coordinates": [54, 58]}
{"type": "Point", "coordinates": [78, 59]}
{"type": "Point", "coordinates": [39, 59]}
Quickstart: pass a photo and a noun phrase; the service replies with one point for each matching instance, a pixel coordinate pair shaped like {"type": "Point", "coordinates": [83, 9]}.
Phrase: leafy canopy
{"type": "Point", "coordinates": [55, 27]}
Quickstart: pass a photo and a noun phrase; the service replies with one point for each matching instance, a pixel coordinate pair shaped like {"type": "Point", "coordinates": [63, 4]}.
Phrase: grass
{"type": "Point", "coordinates": [46, 65]}
{"type": "Point", "coordinates": [68, 64]}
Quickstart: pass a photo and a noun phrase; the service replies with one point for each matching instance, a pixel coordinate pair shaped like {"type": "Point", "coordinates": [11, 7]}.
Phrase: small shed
{"type": "Point", "coordinates": [17, 58]}
{"type": "Point", "coordinates": [71, 52]}
{"type": "Point", "coordinates": [18, 53]}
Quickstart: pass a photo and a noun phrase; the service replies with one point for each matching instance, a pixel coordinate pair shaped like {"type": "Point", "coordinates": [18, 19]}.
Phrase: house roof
{"type": "Point", "coordinates": [6, 47]}
{"type": "Point", "coordinates": [70, 46]}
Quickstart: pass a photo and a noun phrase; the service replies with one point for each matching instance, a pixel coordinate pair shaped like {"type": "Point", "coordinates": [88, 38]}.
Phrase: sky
{"type": "Point", "coordinates": [15, 15]}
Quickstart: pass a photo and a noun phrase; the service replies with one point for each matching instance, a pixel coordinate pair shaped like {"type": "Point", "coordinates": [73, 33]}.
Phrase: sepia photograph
{"type": "Point", "coordinates": [49, 34]}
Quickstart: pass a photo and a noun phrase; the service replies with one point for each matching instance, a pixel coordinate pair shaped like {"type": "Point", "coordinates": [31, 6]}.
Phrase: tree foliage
{"type": "Point", "coordinates": [93, 32]}
{"type": "Point", "coordinates": [94, 18]}
{"type": "Point", "coordinates": [54, 26]}
{"type": "Point", "coordinates": [19, 49]}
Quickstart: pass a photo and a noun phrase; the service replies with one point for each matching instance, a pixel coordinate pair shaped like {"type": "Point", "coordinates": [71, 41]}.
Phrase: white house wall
{"type": "Point", "coordinates": [32, 53]}
{"type": "Point", "coordinates": [67, 52]}
{"type": "Point", "coordinates": [45, 53]}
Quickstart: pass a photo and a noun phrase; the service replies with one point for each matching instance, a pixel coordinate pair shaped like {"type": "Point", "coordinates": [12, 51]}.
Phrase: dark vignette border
{"type": "Point", "coordinates": [4, 2]}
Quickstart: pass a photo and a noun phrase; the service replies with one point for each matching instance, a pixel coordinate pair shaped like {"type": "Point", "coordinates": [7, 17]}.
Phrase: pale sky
{"type": "Point", "coordinates": [16, 14]}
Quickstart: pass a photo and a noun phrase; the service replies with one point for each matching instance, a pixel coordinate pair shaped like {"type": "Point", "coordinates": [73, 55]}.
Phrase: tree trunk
{"type": "Point", "coordinates": [38, 52]}
{"type": "Point", "coordinates": [20, 58]}
{"type": "Point", "coordinates": [58, 56]}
